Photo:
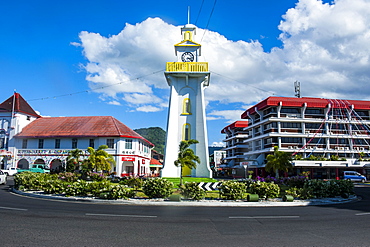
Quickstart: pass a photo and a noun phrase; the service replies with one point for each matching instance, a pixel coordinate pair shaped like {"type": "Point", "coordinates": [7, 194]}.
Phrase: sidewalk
{"type": "Point", "coordinates": [185, 203]}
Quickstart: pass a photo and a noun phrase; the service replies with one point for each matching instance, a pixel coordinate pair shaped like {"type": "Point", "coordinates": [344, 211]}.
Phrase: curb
{"type": "Point", "coordinates": [184, 203]}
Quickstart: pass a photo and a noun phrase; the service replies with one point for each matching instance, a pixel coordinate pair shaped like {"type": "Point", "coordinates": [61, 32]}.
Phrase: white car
{"type": "Point", "coordinates": [2, 177]}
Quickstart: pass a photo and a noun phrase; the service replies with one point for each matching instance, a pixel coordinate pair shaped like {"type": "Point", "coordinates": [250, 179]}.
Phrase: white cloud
{"type": "Point", "coordinates": [325, 46]}
{"type": "Point", "coordinates": [148, 108]}
{"type": "Point", "coordinates": [229, 115]}
{"type": "Point", "coordinates": [218, 144]}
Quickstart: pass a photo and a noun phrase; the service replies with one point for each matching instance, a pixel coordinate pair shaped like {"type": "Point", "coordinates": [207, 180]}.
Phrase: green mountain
{"type": "Point", "coordinates": [155, 135]}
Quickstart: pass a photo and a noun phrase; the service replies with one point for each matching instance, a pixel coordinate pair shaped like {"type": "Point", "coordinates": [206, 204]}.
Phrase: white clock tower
{"type": "Point", "coordinates": [187, 79]}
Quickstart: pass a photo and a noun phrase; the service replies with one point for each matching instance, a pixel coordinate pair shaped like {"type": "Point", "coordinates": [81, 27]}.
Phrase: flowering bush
{"type": "Point", "coordinates": [68, 176]}
{"type": "Point", "coordinates": [232, 190]}
{"type": "Point", "coordinates": [191, 190]}
{"type": "Point", "coordinates": [157, 188]}
{"type": "Point", "coordinates": [264, 189]}
{"type": "Point", "coordinates": [133, 182]}
{"type": "Point", "coordinates": [97, 176]}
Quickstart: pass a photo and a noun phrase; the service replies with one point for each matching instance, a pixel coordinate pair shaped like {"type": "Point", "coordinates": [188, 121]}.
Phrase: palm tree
{"type": "Point", "coordinates": [186, 156]}
{"type": "Point", "coordinates": [99, 159]}
{"type": "Point", "coordinates": [278, 161]}
{"type": "Point", "coordinates": [73, 159]}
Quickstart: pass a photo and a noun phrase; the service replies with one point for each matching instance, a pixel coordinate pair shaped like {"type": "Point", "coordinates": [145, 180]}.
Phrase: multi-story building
{"type": "Point", "coordinates": [326, 136]}
{"type": "Point", "coordinates": [48, 140]}
{"type": "Point", "coordinates": [235, 148]}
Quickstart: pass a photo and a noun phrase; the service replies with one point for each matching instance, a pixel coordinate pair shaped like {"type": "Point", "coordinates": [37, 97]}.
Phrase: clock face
{"type": "Point", "coordinates": [187, 57]}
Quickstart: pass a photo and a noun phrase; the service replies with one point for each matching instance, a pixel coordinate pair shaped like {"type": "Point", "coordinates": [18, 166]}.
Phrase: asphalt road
{"type": "Point", "coordinates": [26, 221]}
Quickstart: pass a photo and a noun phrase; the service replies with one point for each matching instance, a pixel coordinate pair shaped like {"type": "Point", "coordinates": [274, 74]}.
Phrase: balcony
{"type": "Point", "coordinates": [187, 67]}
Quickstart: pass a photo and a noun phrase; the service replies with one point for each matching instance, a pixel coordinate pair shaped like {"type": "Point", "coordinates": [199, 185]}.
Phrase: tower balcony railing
{"type": "Point", "coordinates": [187, 67]}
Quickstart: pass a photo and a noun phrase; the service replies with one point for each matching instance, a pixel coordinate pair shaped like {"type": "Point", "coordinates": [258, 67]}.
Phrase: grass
{"type": "Point", "coordinates": [176, 181]}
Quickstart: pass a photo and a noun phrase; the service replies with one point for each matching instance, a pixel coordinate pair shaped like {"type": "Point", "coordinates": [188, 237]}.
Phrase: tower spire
{"type": "Point", "coordinates": [188, 14]}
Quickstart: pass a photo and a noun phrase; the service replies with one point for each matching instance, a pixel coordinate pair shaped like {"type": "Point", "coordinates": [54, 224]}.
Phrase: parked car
{"type": "Point", "coordinates": [3, 177]}
{"type": "Point", "coordinates": [10, 171]}
{"type": "Point", "coordinates": [354, 176]}
{"type": "Point", "coordinates": [38, 168]}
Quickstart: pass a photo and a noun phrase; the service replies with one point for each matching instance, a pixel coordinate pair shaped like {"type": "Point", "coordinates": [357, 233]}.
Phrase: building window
{"type": "Point", "coordinates": [41, 143]}
{"type": "Point", "coordinates": [2, 142]}
{"type": "Point", "coordinates": [110, 143]}
{"type": "Point", "coordinates": [57, 143]}
{"type": "Point", "coordinates": [128, 144]}
{"type": "Point", "coordinates": [24, 144]}
{"type": "Point", "coordinates": [186, 135]}
{"type": "Point", "coordinates": [92, 143]}
{"type": "Point", "coordinates": [28, 118]}
{"type": "Point", "coordinates": [186, 107]}
{"type": "Point", "coordinates": [74, 143]}
{"type": "Point", "coordinates": [290, 125]}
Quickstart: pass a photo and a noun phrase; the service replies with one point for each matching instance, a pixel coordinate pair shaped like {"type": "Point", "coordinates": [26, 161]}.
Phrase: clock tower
{"type": "Point", "coordinates": [187, 78]}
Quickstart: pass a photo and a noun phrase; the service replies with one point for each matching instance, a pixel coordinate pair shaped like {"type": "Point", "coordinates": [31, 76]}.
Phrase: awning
{"type": "Point", "coordinates": [155, 163]}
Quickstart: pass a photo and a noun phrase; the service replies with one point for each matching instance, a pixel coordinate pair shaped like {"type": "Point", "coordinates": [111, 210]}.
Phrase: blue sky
{"type": "Point", "coordinates": [83, 58]}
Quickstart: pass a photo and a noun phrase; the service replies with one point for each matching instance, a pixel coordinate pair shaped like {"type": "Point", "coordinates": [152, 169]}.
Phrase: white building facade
{"type": "Point", "coordinates": [325, 136]}
{"type": "Point", "coordinates": [48, 140]}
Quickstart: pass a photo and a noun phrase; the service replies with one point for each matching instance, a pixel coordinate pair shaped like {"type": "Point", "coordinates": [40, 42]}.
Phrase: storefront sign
{"type": "Point", "coordinates": [128, 158]}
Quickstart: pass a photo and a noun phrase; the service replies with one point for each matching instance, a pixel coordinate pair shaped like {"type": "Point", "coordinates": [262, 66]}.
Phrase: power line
{"type": "Point", "coordinates": [266, 91]}
{"type": "Point", "coordinates": [209, 19]}
{"type": "Point", "coordinates": [200, 10]}
{"type": "Point", "coordinates": [97, 88]}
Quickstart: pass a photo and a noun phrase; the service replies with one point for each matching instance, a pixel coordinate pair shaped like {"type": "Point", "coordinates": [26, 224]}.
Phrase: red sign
{"type": "Point", "coordinates": [128, 158]}
{"type": "Point", "coordinates": [143, 161]}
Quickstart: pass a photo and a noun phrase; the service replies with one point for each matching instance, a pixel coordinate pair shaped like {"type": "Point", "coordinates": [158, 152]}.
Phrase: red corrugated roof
{"type": "Point", "coordinates": [68, 127]}
{"type": "Point", "coordinates": [20, 105]}
{"type": "Point", "coordinates": [311, 102]}
{"type": "Point", "coordinates": [236, 124]}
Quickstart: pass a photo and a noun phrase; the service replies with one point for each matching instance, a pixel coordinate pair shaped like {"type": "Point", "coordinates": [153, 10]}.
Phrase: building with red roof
{"type": "Point", "coordinates": [325, 136]}
{"type": "Point", "coordinates": [33, 139]}
{"type": "Point", "coordinates": [234, 148]}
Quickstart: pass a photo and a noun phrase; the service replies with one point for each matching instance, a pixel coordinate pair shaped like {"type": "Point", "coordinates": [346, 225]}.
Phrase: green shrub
{"type": "Point", "coordinates": [133, 182]}
{"type": "Point", "coordinates": [302, 193]}
{"type": "Point", "coordinates": [192, 191]}
{"type": "Point", "coordinates": [157, 188]}
{"type": "Point", "coordinates": [264, 189]}
{"type": "Point", "coordinates": [117, 192]}
{"type": "Point", "coordinates": [68, 176]}
{"type": "Point", "coordinates": [79, 188]}
{"type": "Point", "coordinates": [232, 190]}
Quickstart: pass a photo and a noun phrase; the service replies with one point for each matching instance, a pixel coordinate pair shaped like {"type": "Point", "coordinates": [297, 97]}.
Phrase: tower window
{"type": "Point", "coordinates": [186, 135]}
{"type": "Point", "coordinates": [186, 107]}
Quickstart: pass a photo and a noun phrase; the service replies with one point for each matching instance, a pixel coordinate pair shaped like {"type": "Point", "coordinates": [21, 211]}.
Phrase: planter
{"type": "Point", "coordinates": [175, 198]}
{"type": "Point", "coordinates": [252, 198]}
{"type": "Point", "coordinates": [288, 198]}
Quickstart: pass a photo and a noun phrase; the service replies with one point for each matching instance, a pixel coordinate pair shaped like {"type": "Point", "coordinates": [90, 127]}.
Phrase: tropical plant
{"type": "Point", "coordinates": [192, 191]}
{"type": "Point", "coordinates": [186, 156]}
{"type": "Point", "coordinates": [74, 160]}
{"type": "Point", "coordinates": [264, 189]}
{"type": "Point", "coordinates": [278, 161]}
{"type": "Point", "coordinates": [98, 160]}
{"type": "Point", "coordinates": [232, 190]}
{"type": "Point", "coordinates": [157, 188]}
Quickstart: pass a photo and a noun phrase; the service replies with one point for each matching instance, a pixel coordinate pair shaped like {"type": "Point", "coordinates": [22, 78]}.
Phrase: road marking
{"type": "Point", "coordinates": [362, 213]}
{"type": "Point", "coordinates": [122, 215]}
{"type": "Point", "coordinates": [263, 217]}
{"type": "Point", "coordinates": [17, 209]}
